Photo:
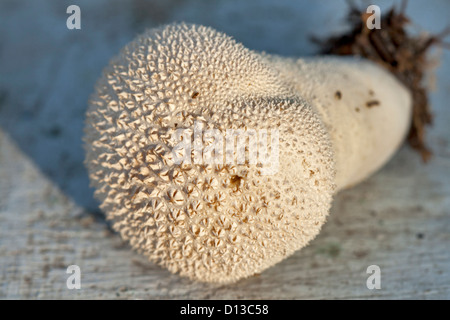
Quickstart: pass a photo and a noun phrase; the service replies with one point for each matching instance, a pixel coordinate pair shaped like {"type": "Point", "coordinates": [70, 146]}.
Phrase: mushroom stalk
{"type": "Point", "coordinates": [335, 120]}
{"type": "Point", "coordinates": [366, 110]}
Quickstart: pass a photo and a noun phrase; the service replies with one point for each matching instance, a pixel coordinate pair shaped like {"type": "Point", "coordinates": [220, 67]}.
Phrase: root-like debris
{"type": "Point", "coordinates": [402, 54]}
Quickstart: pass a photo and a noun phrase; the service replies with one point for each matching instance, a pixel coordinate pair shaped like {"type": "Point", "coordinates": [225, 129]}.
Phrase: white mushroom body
{"type": "Point", "coordinates": [222, 222]}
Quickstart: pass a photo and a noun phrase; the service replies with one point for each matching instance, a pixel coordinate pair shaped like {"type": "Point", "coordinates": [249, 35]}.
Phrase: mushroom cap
{"type": "Point", "coordinates": [213, 222]}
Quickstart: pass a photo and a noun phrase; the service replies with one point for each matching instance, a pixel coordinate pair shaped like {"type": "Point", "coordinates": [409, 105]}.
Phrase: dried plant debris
{"type": "Point", "coordinates": [402, 54]}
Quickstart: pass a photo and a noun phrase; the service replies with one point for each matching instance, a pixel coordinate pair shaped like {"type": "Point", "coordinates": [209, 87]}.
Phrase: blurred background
{"type": "Point", "coordinates": [398, 219]}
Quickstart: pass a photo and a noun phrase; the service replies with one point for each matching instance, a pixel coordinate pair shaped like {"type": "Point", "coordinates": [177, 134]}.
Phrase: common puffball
{"type": "Point", "coordinates": [220, 222]}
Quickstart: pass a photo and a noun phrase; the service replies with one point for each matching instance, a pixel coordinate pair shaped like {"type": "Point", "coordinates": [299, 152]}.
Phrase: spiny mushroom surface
{"type": "Point", "coordinates": [220, 222]}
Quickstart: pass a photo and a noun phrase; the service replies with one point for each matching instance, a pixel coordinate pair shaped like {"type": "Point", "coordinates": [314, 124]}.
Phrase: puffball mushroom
{"type": "Point", "coordinates": [338, 120]}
